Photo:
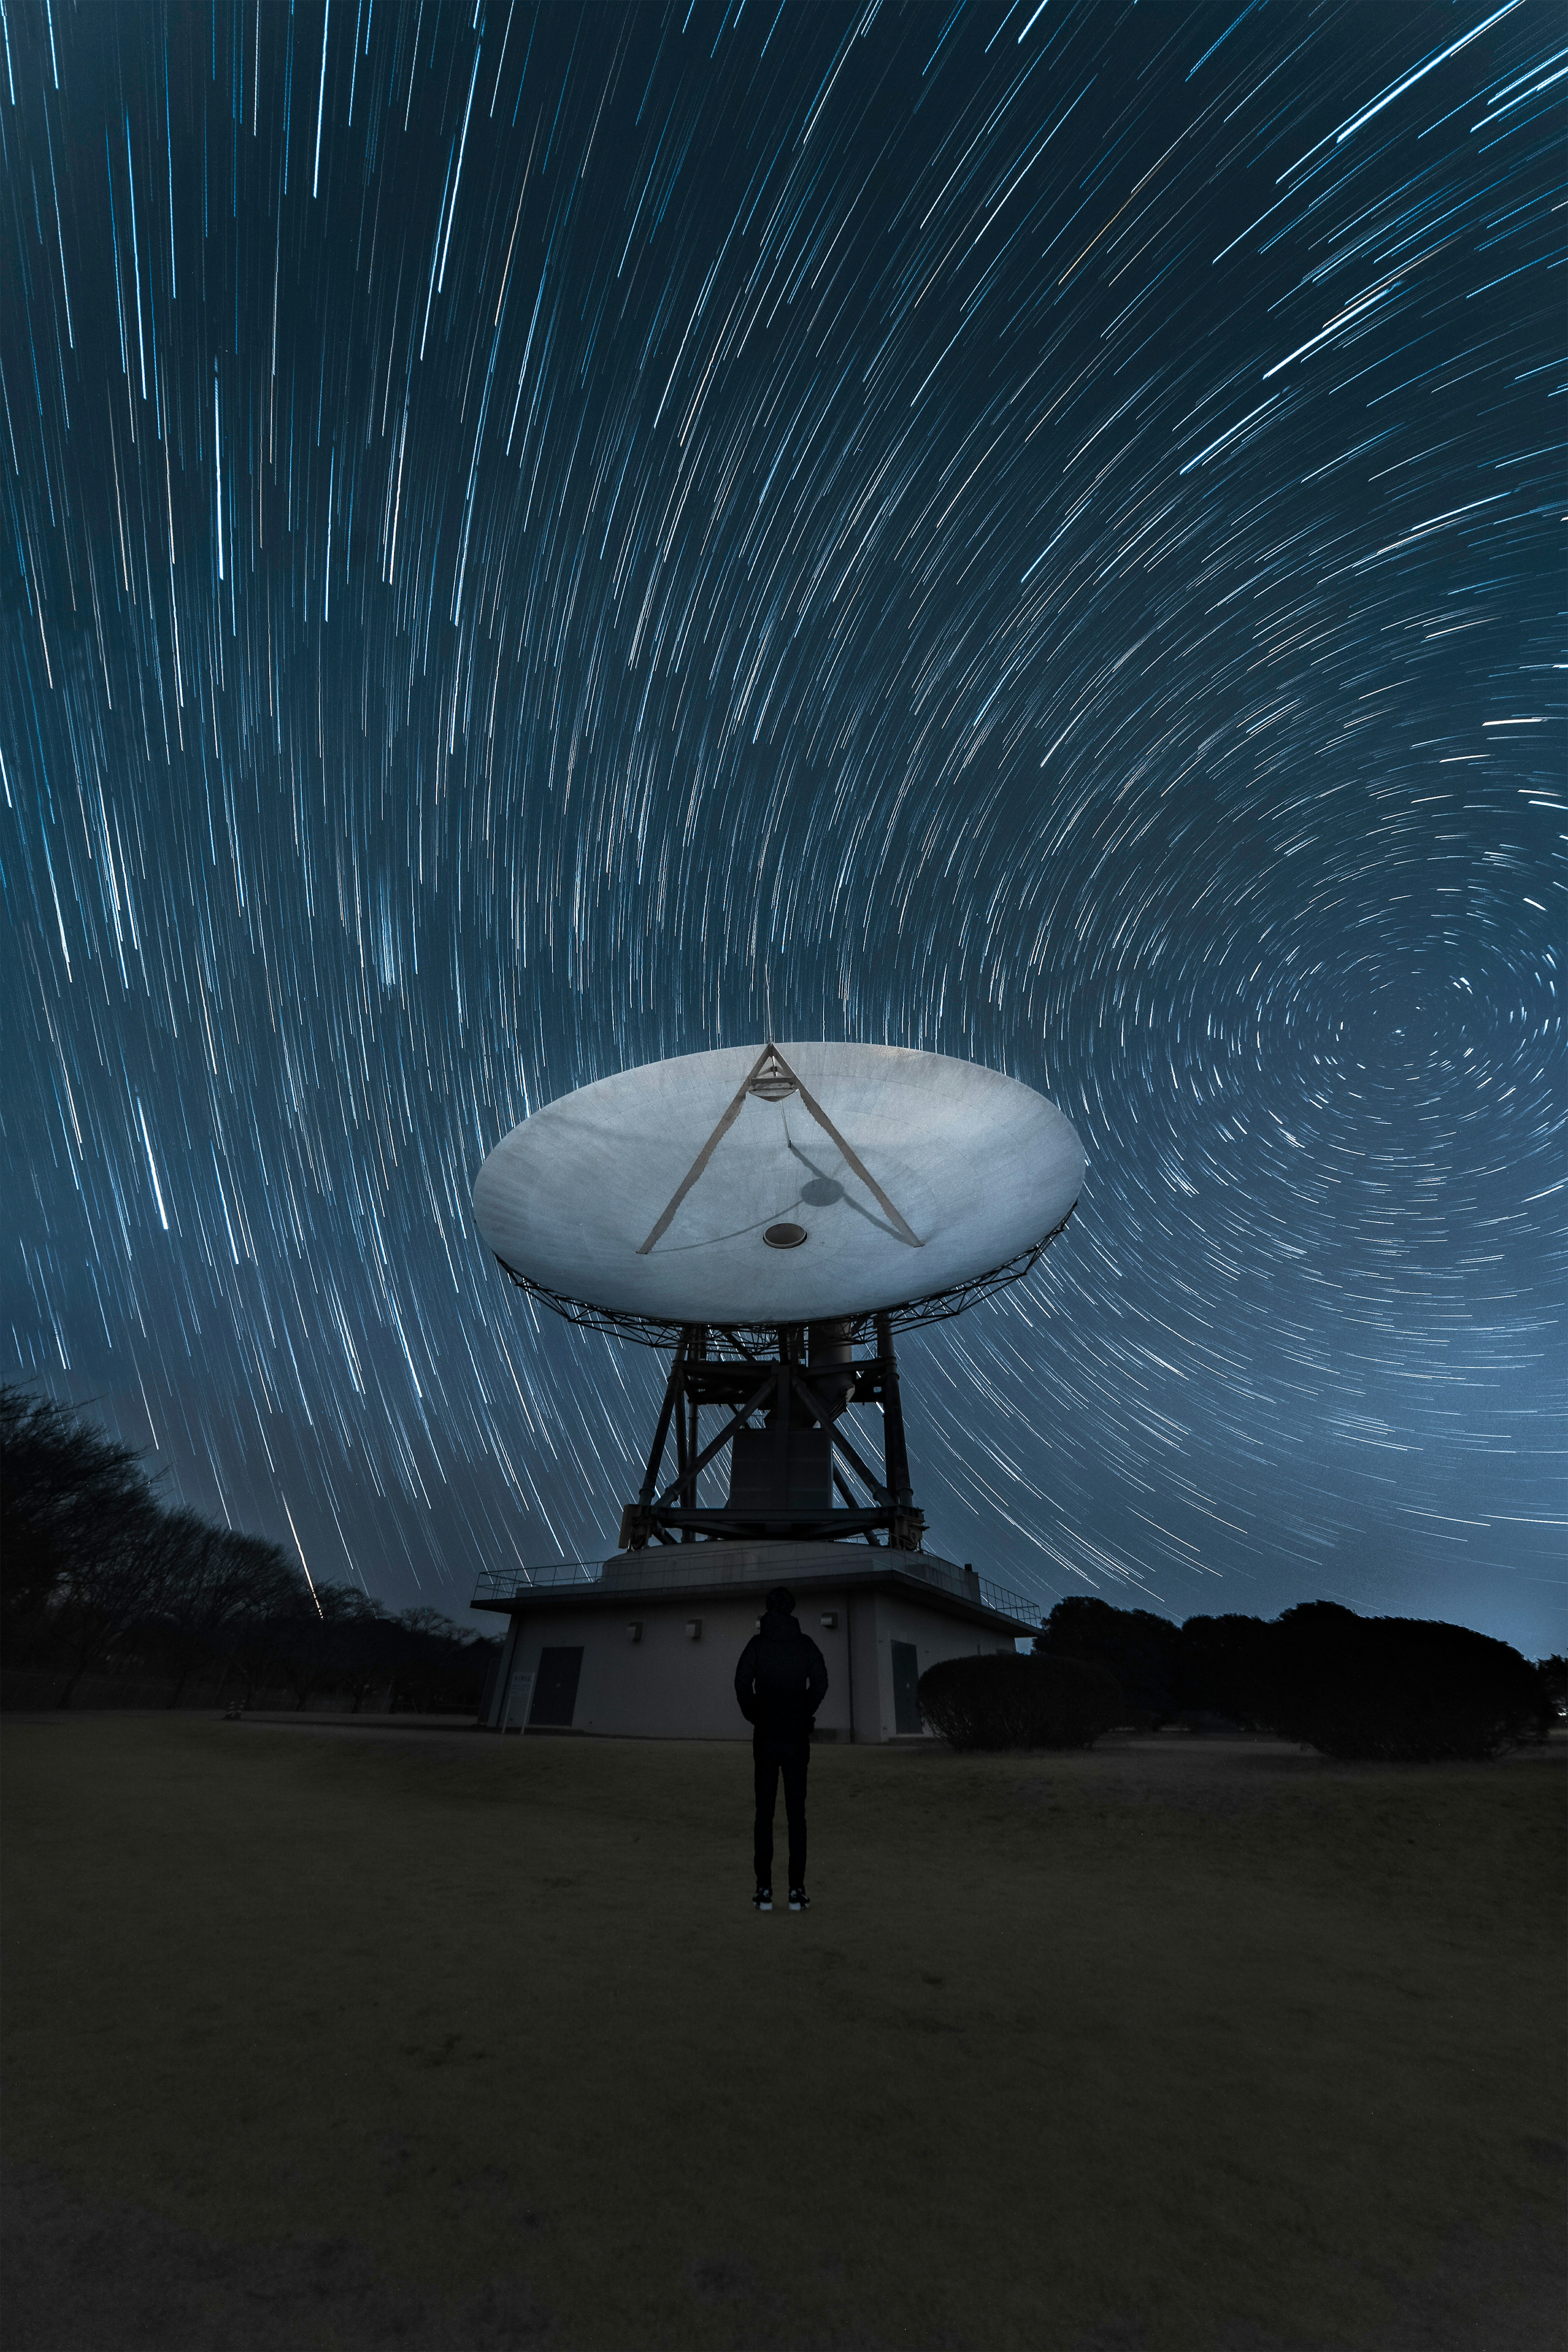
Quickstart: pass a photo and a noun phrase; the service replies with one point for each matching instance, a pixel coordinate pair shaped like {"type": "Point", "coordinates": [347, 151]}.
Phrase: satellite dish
{"type": "Point", "coordinates": [802, 1182]}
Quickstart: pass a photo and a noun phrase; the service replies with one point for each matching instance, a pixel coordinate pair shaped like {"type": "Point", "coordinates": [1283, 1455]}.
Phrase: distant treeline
{"type": "Point", "coordinates": [99, 1579]}
{"type": "Point", "coordinates": [1352, 1685]}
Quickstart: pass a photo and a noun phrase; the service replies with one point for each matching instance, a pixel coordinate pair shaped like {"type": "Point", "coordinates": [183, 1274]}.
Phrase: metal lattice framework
{"type": "Point", "coordinates": [799, 1394]}
{"type": "Point", "coordinates": [937, 1307]}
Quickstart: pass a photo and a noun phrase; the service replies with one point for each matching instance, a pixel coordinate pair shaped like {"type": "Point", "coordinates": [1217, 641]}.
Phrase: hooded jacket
{"type": "Point", "coordinates": [780, 1682]}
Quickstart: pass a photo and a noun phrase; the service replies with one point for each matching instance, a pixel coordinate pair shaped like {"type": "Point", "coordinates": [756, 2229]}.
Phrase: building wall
{"type": "Point", "coordinates": [935, 1636]}
{"type": "Point", "coordinates": [666, 1685]}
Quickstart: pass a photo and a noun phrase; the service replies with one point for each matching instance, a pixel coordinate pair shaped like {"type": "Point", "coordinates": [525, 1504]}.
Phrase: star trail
{"type": "Point", "coordinates": [542, 538]}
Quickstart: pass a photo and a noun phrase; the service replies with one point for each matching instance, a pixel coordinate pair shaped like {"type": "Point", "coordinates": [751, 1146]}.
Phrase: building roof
{"type": "Point", "coordinates": [720, 1571]}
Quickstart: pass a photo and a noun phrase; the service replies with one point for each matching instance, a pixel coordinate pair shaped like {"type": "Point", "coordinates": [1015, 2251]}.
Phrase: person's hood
{"type": "Point", "coordinates": [778, 1627]}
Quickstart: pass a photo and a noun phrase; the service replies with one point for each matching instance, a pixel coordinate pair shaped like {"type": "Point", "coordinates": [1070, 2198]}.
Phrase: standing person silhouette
{"type": "Point", "coordinates": [780, 1682]}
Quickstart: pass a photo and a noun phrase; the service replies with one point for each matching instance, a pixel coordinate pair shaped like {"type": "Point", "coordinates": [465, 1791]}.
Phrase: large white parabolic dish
{"type": "Point", "coordinates": [650, 1194]}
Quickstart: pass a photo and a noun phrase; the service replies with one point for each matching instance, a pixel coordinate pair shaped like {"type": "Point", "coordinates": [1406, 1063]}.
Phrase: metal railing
{"type": "Point", "coordinates": [502, 1584]}
{"type": "Point", "coordinates": [510, 1583]}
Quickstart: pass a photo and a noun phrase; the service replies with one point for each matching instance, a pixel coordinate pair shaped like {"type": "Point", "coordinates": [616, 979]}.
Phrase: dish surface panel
{"type": "Point", "coordinates": [973, 1165]}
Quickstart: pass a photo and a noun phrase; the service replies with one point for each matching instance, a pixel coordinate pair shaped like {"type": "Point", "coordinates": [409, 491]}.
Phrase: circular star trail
{"type": "Point", "coordinates": [542, 538]}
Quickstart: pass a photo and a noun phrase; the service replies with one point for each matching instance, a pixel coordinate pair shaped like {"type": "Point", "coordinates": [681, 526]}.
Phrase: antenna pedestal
{"type": "Point", "coordinates": [797, 1474]}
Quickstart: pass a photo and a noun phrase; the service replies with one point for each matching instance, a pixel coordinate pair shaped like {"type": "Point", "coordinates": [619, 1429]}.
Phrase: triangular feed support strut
{"type": "Point", "coordinates": [771, 1077]}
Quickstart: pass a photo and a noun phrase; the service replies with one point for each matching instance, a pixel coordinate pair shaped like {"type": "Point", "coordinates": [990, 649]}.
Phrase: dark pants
{"type": "Point", "coordinates": [766, 1768]}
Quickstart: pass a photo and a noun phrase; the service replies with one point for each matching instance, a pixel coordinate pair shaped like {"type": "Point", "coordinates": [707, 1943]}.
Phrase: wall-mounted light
{"type": "Point", "coordinates": [633, 1632]}
{"type": "Point", "coordinates": [694, 1629]}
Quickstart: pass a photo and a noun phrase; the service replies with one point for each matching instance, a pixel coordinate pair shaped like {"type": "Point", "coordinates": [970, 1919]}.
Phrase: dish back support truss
{"type": "Point", "coordinates": [908, 1315]}
{"type": "Point", "coordinates": [805, 1385]}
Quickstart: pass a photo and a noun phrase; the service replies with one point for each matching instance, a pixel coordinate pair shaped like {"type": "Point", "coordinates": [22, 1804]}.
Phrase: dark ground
{"type": "Point", "coordinates": [117, 2278]}
{"type": "Point", "coordinates": [350, 2038]}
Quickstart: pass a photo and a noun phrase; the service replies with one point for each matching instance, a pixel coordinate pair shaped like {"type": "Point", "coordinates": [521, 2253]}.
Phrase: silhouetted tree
{"type": "Point", "coordinates": [440, 1667]}
{"type": "Point", "coordinates": [93, 1569]}
{"type": "Point", "coordinates": [91, 1560]}
{"type": "Point", "coordinates": [1136, 1648]}
{"type": "Point", "coordinates": [316, 1638]}
{"type": "Point", "coordinates": [1400, 1688]}
{"type": "Point", "coordinates": [1553, 1673]}
{"type": "Point", "coordinates": [218, 1576]}
{"type": "Point", "coordinates": [251, 1644]}
{"type": "Point", "coordinates": [68, 1494]}
{"type": "Point", "coordinates": [369, 1643]}
{"type": "Point", "coordinates": [1221, 1665]}
{"type": "Point", "coordinates": [112, 1584]}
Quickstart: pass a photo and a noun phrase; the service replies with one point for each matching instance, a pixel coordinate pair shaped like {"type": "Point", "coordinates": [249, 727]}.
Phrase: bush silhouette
{"type": "Point", "coordinates": [1221, 1665]}
{"type": "Point", "coordinates": [1403, 1689]}
{"type": "Point", "coordinates": [1007, 1701]}
{"type": "Point", "coordinates": [1551, 1674]}
{"type": "Point", "coordinates": [1138, 1650]}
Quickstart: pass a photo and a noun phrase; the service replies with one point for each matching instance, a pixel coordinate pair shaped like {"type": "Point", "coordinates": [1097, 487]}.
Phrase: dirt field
{"type": "Point", "coordinates": [327, 2037]}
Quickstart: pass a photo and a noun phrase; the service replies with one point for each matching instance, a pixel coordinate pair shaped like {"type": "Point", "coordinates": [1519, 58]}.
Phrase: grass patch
{"type": "Point", "coordinates": [1174, 2045]}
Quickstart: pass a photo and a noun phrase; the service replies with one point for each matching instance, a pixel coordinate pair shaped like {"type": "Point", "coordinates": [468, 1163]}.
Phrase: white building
{"type": "Point", "coordinates": [645, 1645]}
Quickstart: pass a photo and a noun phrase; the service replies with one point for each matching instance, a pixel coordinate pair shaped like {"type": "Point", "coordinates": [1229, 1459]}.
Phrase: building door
{"type": "Point", "coordinates": [906, 1687]}
{"type": "Point", "coordinates": [556, 1691]}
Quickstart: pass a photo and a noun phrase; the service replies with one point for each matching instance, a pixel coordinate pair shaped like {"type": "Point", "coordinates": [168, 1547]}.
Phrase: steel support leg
{"type": "Point", "coordinates": [671, 1397]}
{"type": "Point", "coordinates": [908, 1526]}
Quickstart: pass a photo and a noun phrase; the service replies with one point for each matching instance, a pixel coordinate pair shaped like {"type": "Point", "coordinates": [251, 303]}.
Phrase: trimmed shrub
{"type": "Point", "coordinates": [1403, 1689]}
{"type": "Point", "coordinates": [1007, 1701]}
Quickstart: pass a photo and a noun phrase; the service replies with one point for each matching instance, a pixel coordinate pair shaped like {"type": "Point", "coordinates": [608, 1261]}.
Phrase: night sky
{"type": "Point", "coordinates": [538, 538]}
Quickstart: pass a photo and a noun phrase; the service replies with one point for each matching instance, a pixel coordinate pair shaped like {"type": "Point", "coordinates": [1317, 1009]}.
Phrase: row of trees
{"type": "Point", "coordinates": [1398, 1688]}
{"type": "Point", "coordinates": [1320, 1673]}
{"type": "Point", "coordinates": [98, 1577]}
